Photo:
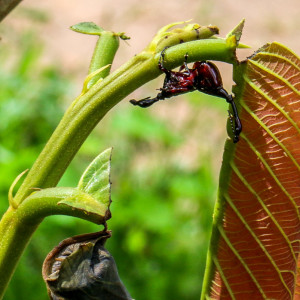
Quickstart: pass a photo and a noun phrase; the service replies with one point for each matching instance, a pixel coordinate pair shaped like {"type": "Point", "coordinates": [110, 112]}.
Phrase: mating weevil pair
{"type": "Point", "coordinates": [204, 77]}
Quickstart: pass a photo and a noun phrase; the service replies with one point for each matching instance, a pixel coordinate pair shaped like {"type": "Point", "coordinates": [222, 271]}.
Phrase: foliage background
{"type": "Point", "coordinates": [166, 159]}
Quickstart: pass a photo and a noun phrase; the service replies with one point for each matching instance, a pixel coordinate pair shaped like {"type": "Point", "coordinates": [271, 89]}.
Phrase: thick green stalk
{"type": "Point", "coordinates": [79, 120]}
{"type": "Point", "coordinates": [15, 235]}
{"type": "Point", "coordinates": [107, 42]}
{"type": "Point", "coordinates": [6, 6]}
{"type": "Point", "coordinates": [217, 220]}
{"type": "Point", "coordinates": [18, 225]}
{"type": "Point", "coordinates": [85, 113]}
{"type": "Point", "coordinates": [19, 222]}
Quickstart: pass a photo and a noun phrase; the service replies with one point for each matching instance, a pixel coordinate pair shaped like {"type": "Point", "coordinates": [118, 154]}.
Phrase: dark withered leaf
{"type": "Point", "coordinates": [80, 268]}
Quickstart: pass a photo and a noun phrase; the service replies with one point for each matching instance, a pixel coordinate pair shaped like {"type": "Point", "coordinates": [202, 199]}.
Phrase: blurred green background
{"type": "Point", "coordinates": [164, 167]}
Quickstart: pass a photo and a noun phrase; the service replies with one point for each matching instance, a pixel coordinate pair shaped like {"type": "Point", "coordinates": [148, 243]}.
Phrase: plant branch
{"type": "Point", "coordinates": [85, 113]}
{"type": "Point", "coordinates": [6, 6]}
{"type": "Point", "coordinates": [79, 120]}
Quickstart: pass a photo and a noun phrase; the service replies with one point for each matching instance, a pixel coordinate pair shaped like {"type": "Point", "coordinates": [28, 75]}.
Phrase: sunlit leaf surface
{"type": "Point", "coordinates": [93, 194]}
{"type": "Point", "coordinates": [254, 252]}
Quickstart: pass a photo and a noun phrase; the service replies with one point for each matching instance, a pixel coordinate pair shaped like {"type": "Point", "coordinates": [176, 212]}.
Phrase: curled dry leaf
{"type": "Point", "coordinates": [81, 268]}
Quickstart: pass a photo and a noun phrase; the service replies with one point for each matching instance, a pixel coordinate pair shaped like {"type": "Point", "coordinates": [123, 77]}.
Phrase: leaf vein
{"type": "Point", "coordinates": [244, 264]}
{"type": "Point", "coordinates": [256, 118]}
{"type": "Point", "coordinates": [269, 169]}
{"type": "Point", "coordinates": [273, 102]}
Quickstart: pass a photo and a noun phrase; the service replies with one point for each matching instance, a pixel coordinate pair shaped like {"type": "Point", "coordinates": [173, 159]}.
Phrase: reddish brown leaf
{"type": "Point", "coordinates": [256, 234]}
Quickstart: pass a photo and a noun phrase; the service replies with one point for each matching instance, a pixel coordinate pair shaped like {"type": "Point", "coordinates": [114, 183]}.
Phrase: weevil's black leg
{"type": "Point", "coordinates": [237, 121]}
{"type": "Point", "coordinates": [185, 63]}
{"type": "Point", "coordinates": [221, 92]}
{"type": "Point", "coordinates": [161, 62]}
{"type": "Point", "coordinates": [146, 102]}
{"type": "Point", "coordinates": [105, 226]}
{"type": "Point", "coordinates": [185, 66]}
{"type": "Point", "coordinates": [231, 121]}
{"type": "Point", "coordinates": [234, 131]}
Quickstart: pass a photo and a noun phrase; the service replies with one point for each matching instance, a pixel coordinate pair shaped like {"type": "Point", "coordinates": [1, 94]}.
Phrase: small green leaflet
{"type": "Point", "coordinates": [87, 28]}
{"type": "Point", "coordinates": [93, 191]}
{"type": "Point", "coordinates": [95, 181]}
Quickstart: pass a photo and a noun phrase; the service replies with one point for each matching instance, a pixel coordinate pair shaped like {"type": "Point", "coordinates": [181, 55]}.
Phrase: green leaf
{"type": "Point", "coordinates": [254, 250]}
{"type": "Point", "coordinates": [95, 181]}
{"type": "Point", "coordinates": [87, 28]}
{"type": "Point", "coordinates": [237, 31]}
{"type": "Point", "coordinates": [90, 200]}
{"type": "Point", "coordinates": [86, 203]}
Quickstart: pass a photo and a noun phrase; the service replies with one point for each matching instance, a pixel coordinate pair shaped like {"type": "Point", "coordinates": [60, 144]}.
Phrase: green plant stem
{"type": "Point", "coordinates": [108, 42]}
{"type": "Point", "coordinates": [48, 202]}
{"type": "Point", "coordinates": [18, 225]}
{"type": "Point", "coordinates": [15, 236]}
{"type": "Point", "coordinates": [20, 221]}
{"type": "Point", "coordinates": [85, 112]}
{"type": "Point", "coordinates": [6, 6]}
{"type": "Point", "coordinates": [79, 120]}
